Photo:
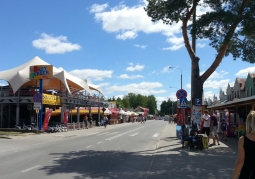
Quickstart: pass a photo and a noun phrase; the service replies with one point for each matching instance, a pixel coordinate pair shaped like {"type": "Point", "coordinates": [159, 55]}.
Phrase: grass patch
{"type": "Point", "coordinates": [10, 133]}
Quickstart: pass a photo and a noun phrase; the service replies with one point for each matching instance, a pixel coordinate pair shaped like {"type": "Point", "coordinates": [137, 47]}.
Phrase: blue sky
{"type": "Point", "coordinates": [113, 44]}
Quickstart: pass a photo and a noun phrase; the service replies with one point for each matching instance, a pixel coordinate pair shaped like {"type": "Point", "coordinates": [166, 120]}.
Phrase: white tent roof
{"type": "Point", "coordinates": [19, 76]}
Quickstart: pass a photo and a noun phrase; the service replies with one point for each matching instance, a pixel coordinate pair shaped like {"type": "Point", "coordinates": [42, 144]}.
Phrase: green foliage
{"type": "Point", "coordinates": [132, 100]}
{"type": "Point", "coordinates": [231, 22]}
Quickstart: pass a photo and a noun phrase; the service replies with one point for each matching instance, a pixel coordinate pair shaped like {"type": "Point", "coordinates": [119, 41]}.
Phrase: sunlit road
{"type": "Point", "coordinates": [117, 152]}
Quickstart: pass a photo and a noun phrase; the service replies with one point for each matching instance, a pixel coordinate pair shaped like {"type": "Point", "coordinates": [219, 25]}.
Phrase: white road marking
{"type": "Point", "coordinates": [88, 146]}
{"type": "Point", "coordinates": [92, 133]}
{"type": "Point", "coordinates": [114, 137]}
{"type": "Point", "coordinates": [30, 168]}
{"type": "Point", "coordinates": [155, 135]}
{"type": "Point", "coordinates": [100, 142]}
{"type": "Point", "coordinates": [113, 133]}
{"type": "Point", "coordinates": [133, 134]}
{"type": "Point", "coordinates": [55, 159]}
{"type": "Point", "coordinates": [103, 133]}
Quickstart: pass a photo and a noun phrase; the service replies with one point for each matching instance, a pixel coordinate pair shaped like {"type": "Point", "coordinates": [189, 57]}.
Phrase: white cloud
{"type": "Point", "coordinates": [244, 72]}
{"type": "Point", "coordinates": [125, 76]}
{"type": "Point", "coordinates": [145, 88]}
{"type": "Point", "coordinates": [174, 47]}
{"type": "Point", "coordinates": [165, 69]}
{"type": "Point", "coordinates": [127, 22]}
{"type": "Point", "coordinates": [95, 8]}
{"type": "Point", "coordinates": [92, 74]}
{"type": "Point", "coordinates": [135, 67]}
{"type": "Point", "coordinates": [127, 35]}
{"type": "Point", "coordinates": [216, 84]}
{"type": "Point", "coordinates": [140, 46]}
{"type": "Point", "coordinates": [210, 94]}
{"type": "Point", "coordinates": [215, 74]}
{"type": "Point", "coordinates": [200, 45]}
{"type": "Point", "coordinates": [121, 19]}
{"type": "Point", "coordinates": [55, 45]}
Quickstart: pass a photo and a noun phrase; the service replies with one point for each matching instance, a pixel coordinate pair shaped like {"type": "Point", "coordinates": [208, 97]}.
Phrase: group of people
{"type": "Point", "coordinates": [88, 121]}
{"type": "Point", "coordinates": [210, 127]}
{"type": "Point", "coordinates": [245, 164]}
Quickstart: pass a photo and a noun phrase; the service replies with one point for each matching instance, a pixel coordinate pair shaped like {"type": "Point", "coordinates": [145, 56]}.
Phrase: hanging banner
{"type": "Point", "coordinates": [51, 99]}
{"type": "Point", "coordinates": [66, 117]}
{"type": "Point", "coordinates": [47, 119]}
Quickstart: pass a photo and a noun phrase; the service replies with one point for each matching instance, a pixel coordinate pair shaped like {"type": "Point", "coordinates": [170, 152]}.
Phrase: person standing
{"type": "Point", "coordinates": [214, 127]}
{"type": "Point", "coordinates": [85, 119]}
{"type": "Point", "coordinates": [245, 163]}
{"type": "Point", "coordinates": [223, 127]}
{"type": "Point", "coordinates": [206, 124]}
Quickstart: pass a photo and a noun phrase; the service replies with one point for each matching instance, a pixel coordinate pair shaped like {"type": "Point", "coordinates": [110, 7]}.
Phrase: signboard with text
{"type": "Point", "coordinates": [41, 72]}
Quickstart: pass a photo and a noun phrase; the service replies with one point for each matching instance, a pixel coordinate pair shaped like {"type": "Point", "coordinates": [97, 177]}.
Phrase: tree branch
{"type": "Point", "coordinates": [185, 32]}
{"type": "Point", "coordinates": [225, 44]}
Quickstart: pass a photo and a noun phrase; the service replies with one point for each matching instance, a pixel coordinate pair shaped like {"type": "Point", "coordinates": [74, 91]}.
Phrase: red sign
{"type": "Point", "coordinates": [66, 117]}
{"type": "Point", "coordinates": [181, 93]}
{"type": "Point", "coordinates": [47, 119]}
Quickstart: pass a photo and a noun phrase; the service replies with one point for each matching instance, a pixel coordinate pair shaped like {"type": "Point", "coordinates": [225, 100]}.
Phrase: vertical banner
{"type": "Point", "coordinates": [66, 114]}
{"type": "Point", "coordinates": [47, 119]}
{"type": "Point", "coordinates": [196, 115]}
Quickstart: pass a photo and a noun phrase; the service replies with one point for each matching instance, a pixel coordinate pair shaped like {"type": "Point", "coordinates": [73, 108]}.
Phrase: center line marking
{"type": "Point", "coordinates": [30, 168]}
{"type": "Point", "coordinates": [89, 146]}
{"type": "Point", "coordinates": [133, 134]}
{"type": "Point", "coordinates": [99, 142]}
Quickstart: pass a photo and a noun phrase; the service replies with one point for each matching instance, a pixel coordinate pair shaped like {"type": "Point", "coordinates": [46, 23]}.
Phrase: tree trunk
{"type": "Point", "coordinates": [197, 85]}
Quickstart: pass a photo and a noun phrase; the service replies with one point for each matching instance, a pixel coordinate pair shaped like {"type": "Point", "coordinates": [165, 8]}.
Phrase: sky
{"type": "Point", "coordinates": [113, 44]}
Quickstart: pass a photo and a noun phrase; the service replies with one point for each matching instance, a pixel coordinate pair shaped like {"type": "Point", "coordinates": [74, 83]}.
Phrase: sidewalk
{"type": "Point", "coordinates": [173, 161]}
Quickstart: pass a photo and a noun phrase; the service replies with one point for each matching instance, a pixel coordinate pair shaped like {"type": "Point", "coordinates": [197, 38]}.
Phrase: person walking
{"type": "Point", "coordinates": [223, 127]}
{"type": "Point", "coordinates": [90, 121]}
{"type": "Point", "coordinates": [206, 124]}
{"type": "Point", "coordinates": [245, 163]}
{"type": "Point", "coordinates": [105, 119]}
{"type": "Point", "coordinates": [214, 127]}
{"type": "Point", "coordinates": [85, 119]}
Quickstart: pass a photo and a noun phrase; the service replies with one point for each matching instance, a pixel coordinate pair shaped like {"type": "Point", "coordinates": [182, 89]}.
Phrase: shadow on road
{"type": "Point", "coordinates": [169, 161]}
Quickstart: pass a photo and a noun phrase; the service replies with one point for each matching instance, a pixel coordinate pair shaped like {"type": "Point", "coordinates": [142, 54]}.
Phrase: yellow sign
{"type": "Point", "coordinates": [205, 142]}
{"type": "Point", "coordinates": [41, 72]}
{"type": "Point", "coordinates": [51, 99]}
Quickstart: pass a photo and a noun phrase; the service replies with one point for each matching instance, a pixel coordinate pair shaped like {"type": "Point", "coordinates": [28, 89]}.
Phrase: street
{"type": "Point", "coordinates": [129, 150]}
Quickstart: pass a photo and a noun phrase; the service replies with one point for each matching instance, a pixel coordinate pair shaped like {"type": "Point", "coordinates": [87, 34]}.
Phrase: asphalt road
{"type": "Point", "coordinates": [118, 152]}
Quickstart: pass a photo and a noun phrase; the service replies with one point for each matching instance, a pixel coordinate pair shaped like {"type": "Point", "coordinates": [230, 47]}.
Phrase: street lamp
{"type": "Point", "coordinates": [181, 73]}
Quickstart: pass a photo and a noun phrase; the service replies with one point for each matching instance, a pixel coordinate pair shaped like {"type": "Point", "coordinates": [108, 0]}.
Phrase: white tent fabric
{"type": "Point", "coordinates": [107, 111]}
{"type": "Point", "coordinates": [18, 76]}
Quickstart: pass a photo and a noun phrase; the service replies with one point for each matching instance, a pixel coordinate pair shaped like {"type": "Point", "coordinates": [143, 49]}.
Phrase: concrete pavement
{"type": "Point", "coordinates": [171, 161]}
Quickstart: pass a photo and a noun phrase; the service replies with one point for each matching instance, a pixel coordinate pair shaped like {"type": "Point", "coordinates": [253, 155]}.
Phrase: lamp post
{"type": "Point", "coordinates": [181, 73]}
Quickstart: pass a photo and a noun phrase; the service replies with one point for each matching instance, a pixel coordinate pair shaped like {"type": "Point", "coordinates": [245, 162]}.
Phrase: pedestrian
{"type": "Point", "coordinates": [85, 119]}
{"type": "Point", "coordinates": [184, 135]}
{"type": "Point", "coordinates": [214, 127]}
{"type": "Point", "coordinates": [105, 119]}
{"type": "Point", "coordinates": [90, 121]}
{"type": "Point", "coordinates": [206, 126]}
{"type": "Point", "coordinates": [245, 163]}
{"type": "Point", "coordinates": [223, 127]}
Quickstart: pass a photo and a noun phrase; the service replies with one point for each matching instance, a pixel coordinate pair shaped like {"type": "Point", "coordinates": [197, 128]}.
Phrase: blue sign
{"type": "Point", "coordinates": [37, 97]}
{"type": "Point", "coordinates": [198, 101]}
{"type": "Point", "coordinates": [183, 103]}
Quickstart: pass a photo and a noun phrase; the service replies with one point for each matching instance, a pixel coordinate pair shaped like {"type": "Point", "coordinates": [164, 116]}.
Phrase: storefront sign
{"type": "Point", "coordinates": [51, 99]}
{"type": "Point", "coordinates": [41, 72]}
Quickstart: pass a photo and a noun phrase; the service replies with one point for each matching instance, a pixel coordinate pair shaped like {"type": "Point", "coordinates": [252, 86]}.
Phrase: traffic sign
{"type": "Point", "coordinates": [37, 97]}
{"type": "Point", "coordinates": [37, 106]}
{"type": "Point", "coordinates": [198, 101]}
{"type": "Point", "coordinates": [183, 103]}
{"type": "Point", "coordinates": [181, 93]}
